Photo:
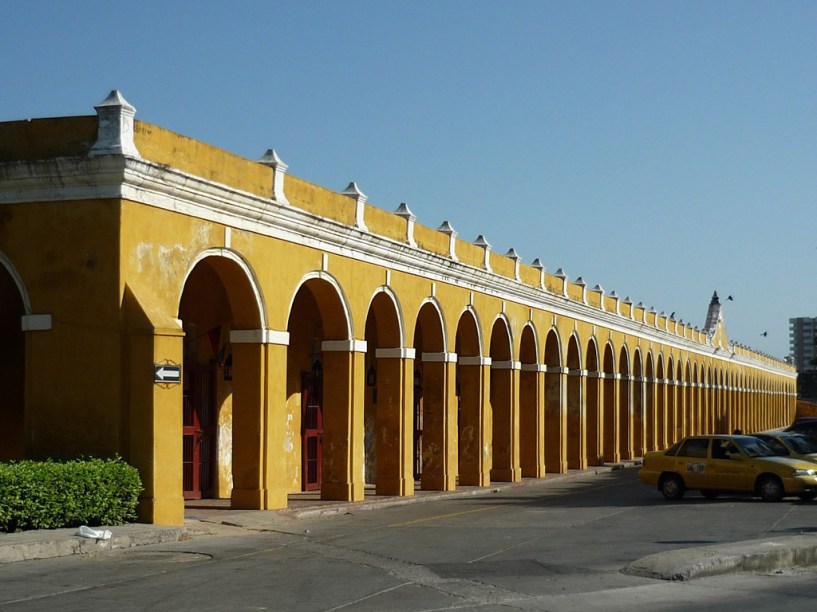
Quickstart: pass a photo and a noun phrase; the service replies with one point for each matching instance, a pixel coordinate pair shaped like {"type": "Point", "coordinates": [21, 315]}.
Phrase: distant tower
{"type": "Point", "coordinates": [713, 315]}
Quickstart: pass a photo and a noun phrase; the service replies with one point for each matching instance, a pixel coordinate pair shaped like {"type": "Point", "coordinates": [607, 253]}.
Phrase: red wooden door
{"type": "Point", "coordinates": [198, 432]}
{"type": "Point", "coordinates": [312, 420]}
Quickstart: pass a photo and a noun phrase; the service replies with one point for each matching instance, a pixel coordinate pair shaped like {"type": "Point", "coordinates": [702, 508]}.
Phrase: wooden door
{"type": "Point", "coordinates": [199, 432]}
{"type": "Point", "coordinates": [312, 428]}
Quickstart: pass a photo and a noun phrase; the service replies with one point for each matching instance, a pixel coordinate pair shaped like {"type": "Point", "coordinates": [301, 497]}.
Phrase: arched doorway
{"type": "Point", "coordinates": [576, 458]}
{"type": "Point", "coordinates": [592, 446]}
{"type": "Point", "coordinates": [434, 385]}
{"type": "Point", "coordinates": [218, 297]}
{"type": "Point", "coordinates": [12, 369]}
{"type": "Point", "coordinates": [610, 449]}
{"type": "Point", "coordinates": [505, 465]}
{"type": "Point", "coordinates": [555, 419]}
{"type": "Point", "coordinates": [473, 408]}
{"type": "Point", "coordinates": [625, 407]}
{"type": "Point", "coordinates": [385, 420]}
{"type": "Point", "coordinates": [531, 413]}
{"type": "Point", "coordinates": [320, 365]}
{"type": "Point", "coordinates": [639, 445]}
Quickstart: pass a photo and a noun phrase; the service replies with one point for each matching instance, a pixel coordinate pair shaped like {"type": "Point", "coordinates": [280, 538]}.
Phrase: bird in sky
{"type": "Point", "coordinates": [764, 334]}
{"type": "Point", "coordinates": [730, 299]}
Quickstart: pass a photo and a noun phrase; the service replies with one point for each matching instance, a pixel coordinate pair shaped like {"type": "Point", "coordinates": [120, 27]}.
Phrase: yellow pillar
{"type": "Point", "coordinates": [344, 371]}
{"type": "Point", "coordinates": [156, 424]}
{"type": "Point", "coordinates": [475, 452]}
{"type": "Point", "coordinates": [439, 422]}
{"type": "Point", "coordinates": [532, 420]}
{"type": "Point", "coordinates": [505, 407]}
{"type": "Point", "coordinates": [394, 426]}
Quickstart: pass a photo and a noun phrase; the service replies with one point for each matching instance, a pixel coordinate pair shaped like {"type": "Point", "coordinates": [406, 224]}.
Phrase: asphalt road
{"type": "Point", "coordinates": [557, 545]}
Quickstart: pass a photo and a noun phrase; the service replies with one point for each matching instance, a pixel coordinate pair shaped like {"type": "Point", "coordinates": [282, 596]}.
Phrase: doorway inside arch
{"type": "Point", "coordinates": [12, 370]}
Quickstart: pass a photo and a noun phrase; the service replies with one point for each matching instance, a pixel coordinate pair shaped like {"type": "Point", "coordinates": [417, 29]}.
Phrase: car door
{"type": "Point", "coordinates": [691, 462]}
{"type": "Point", "coordinates": [728, 467]}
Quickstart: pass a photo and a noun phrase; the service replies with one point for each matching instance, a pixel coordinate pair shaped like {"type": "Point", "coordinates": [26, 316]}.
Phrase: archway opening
{"type": "Point", "coordinates": [431, 425]}
{"type": "Point", "coordinates": [217, 298]}
{"type": "Point", "coordinates": [555, 422]}
{"type": "Point", "coordinates": [576, 458]}
{"type": "Point", "coordinates": [505, 423]}
{"type": "Point", "coordinates": [473, 411]}
{"type": "Point", "coordinates": [609, 451]}
{"type": "Point", "coordinates": [531, 417]}
{"type": "Point", "coordinates": [12, 370]}
{"type": "Point", "coordinates": [383, 418]}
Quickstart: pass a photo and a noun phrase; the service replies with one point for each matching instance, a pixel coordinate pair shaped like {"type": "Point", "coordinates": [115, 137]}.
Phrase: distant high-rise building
{"type": "Point", "coordinates": [803, 343]}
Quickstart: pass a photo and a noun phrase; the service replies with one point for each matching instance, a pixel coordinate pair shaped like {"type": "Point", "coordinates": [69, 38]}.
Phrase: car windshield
{"type": "Point", "coordinates": [801, 444]}
{"type": "Point", "coordinates": [754, 447]}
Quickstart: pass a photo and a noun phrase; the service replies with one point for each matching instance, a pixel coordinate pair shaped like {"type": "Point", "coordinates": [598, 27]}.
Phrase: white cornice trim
{"type": "Point", "coordinates": [152, 184]}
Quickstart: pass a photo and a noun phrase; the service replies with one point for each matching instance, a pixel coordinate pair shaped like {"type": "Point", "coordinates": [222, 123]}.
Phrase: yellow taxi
{"type": "Point", "coordinates": [733, 463]}
{"type": "Point", "coordinates": [790, 444]}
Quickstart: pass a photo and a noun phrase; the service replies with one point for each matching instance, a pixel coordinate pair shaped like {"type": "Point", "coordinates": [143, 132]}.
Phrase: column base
{"type": "Point", "coordinates": [343, 491]}
{"type": "Point", "coordinates": [395, 486]}
{"type": "Point", "coordinates": [438, 483]}
{"type": "Point", "coordinates": [533, 471]}
{"type": "Point", "coordinates": [161, 511]}
{"type": "Point", "coordinates": [506, 475]}
{"type": "Point", "coordinates": [248, 499]}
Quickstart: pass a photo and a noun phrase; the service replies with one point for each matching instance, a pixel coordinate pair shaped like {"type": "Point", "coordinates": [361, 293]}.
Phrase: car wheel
{"type": "Point", "coordinates": [672, 486]}
{"type": "Point", "coordinates": [709, 493]}
{"type": "Point", "coordinates": [808, 496]}
{"type": "Point", "coordinates": [770, 488]}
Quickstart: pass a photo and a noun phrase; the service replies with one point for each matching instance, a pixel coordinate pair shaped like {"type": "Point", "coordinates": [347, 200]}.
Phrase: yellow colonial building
{"type": "Point", "coordinates": [237, 332]}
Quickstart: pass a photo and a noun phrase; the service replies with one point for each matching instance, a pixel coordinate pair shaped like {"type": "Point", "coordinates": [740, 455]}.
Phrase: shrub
{"type": "Point", "coordinates": [50, 494]}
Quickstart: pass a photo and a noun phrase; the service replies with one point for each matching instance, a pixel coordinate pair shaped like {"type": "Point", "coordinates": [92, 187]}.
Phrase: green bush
{"type": "Point", "coordinates": [50, 494]}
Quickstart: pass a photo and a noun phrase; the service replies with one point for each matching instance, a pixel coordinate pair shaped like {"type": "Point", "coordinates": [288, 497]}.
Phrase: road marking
{"type": "Point", "coordinates": [442, 516]}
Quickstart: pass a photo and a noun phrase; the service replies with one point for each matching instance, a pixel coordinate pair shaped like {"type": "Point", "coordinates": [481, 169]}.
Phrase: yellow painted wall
{"type": "Point", "coordinates": [113, 272]}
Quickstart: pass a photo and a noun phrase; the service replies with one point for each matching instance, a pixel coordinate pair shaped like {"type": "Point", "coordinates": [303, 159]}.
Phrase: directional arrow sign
{"type": "Point", "coordinates": [167, 374]}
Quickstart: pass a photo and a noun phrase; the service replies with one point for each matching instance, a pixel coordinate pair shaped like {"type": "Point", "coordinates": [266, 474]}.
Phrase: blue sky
{"type": "Point", "coordinates": [661, 149]}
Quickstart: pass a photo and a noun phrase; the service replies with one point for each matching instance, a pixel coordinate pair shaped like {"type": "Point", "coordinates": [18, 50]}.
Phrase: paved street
{"type": "Point", "coordinates": [558, 545]}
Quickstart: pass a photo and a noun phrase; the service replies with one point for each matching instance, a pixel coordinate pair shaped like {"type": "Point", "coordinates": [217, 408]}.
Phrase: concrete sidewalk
{"type": "Point", "coordinates": [215, 518]}
{"type": "Point", "coordinates": [205, 518]}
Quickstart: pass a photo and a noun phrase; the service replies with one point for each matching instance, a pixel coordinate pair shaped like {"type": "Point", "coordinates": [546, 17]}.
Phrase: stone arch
{"type": "Point", "coordinates": [691, 426]}
{"type": "Point", "coordinates": [555, 413]}
{"type": "Point", "coordinates": [222, 409]}
{"type": "Point", "coordinates": [251, 311]}
{"type": "Point", "coordinates": [639, 405]}
{"type": "Point", "coordinates": [323, 359]}
{"type": "Point", "coordinates": [592, 404]}
{"type": "Point", "coordinates": [625, 406]}
{"type": "Point", "coordinates": [385, 410]}
{"type": "Point", "coordinates": [504, 406]}
{"type": "Point", "coordinates": [14, 305]}
{"type": "Point", "coordinates": [531, 407]}
{"type": "Point", "coordinates": [610, 450]}
{"type": "Point", "coordinates": [576, 444]}
{"type": "Point", "coordinates": [651, 420]}
{"type": "Point", "coordinates": [473, 408]}
{"type": "Point", "coordinates": [660, 399]}
{"type": "Point", "coordinates": [434, 387]}
{"type": "Point", "coordinates": [15, 277]}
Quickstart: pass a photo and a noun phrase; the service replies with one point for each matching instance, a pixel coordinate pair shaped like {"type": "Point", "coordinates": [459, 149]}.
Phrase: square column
{"type": "Point", "coordinates": [155, 424]}
{"type": "Point", "coordinates": [394, 423]}
{"type": "Point", "coordinates": [439, 422]}
{"type": "Point", "coordinates": [475, 451]}
{"type": "Point", "coordinates": [344, 367]}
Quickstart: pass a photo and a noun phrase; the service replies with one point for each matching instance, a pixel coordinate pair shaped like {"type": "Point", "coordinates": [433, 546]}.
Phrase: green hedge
{"type": "Point", "coordinates": [50, 494]}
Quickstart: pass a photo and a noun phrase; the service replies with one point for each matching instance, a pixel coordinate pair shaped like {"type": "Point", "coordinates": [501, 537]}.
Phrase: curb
{"type": "Point", "coordinates": [29, 546]}
{"type": "Point", "coordinates": [758, 556]}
